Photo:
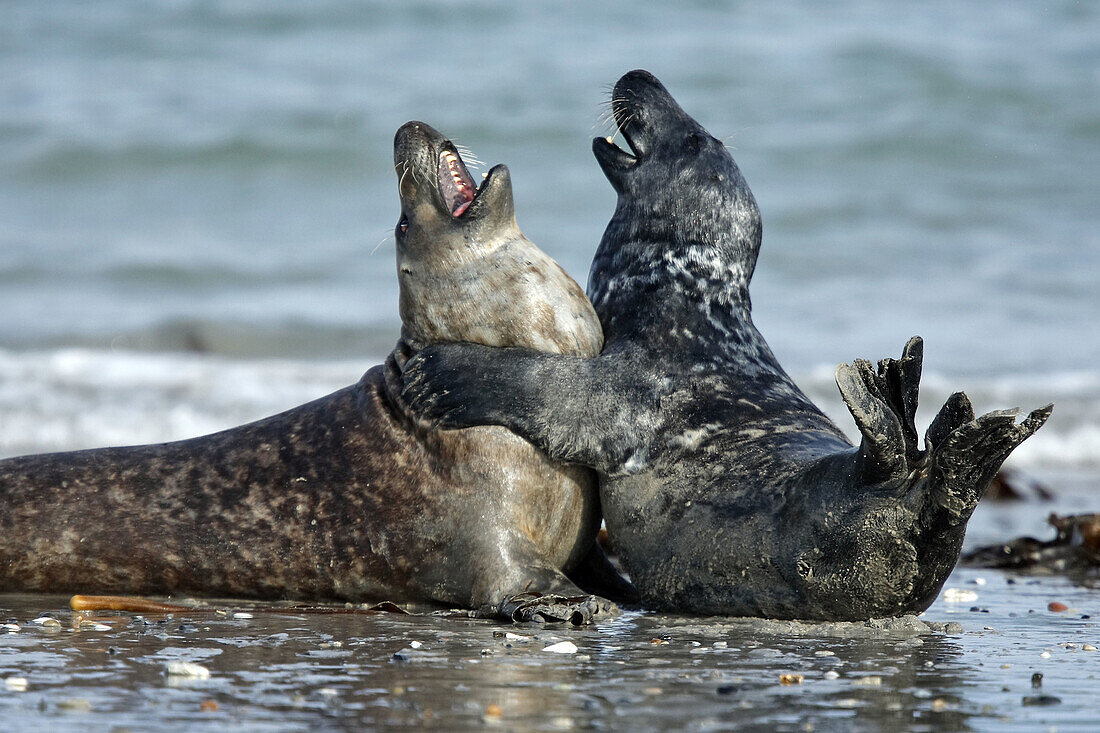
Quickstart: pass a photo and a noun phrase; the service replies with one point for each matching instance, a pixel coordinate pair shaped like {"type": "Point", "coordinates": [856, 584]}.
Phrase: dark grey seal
{"type": "Point", "coordinates": [725, 490]}
{"type": "Point", "coordinates": [347, 497]}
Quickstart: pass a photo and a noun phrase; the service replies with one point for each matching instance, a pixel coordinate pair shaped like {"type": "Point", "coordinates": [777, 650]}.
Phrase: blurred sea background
{"type": "Point", "coordinates": [197, 198]}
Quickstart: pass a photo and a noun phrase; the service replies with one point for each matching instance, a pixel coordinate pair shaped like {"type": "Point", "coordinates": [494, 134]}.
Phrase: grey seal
{"type": "Point", "coordinates": [725, 490]}
{"type": "Point", "coordinates": [348, 497]}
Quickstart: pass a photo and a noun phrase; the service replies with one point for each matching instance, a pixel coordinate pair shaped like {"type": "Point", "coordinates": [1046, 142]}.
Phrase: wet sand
{"type": "Point", "coordinates": [971, 667]}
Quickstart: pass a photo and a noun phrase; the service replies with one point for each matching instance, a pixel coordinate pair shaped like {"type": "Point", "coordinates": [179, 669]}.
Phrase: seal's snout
{"type": "Point", "coordinates": [412, 137]}
{"type": "Point", "coordinates": [636, 82]}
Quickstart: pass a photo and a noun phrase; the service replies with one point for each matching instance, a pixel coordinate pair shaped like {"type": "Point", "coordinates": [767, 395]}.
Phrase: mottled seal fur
{"type": "Point", "coordinates": [725, 490]}
{"type": "Point", "coordinates": [347, 497]}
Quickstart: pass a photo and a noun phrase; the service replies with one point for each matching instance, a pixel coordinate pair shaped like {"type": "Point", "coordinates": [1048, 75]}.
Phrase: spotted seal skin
{"type": "Point", "coordinates": [347, 497]}
{"type": "Point", "coordinates": [725, 490]}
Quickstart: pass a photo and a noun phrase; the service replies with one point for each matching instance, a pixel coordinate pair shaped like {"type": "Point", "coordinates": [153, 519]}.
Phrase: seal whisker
{"type": "Point", "coordinates": [381, 242]}
{"type": "Point", "coordinates": [469, 157]}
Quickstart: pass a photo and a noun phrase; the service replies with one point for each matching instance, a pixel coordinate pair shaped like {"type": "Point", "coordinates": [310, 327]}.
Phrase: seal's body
{"type": "Point", "coordinates": [347, 497]}
{"type": "Point", "coordinates": [725, 490]}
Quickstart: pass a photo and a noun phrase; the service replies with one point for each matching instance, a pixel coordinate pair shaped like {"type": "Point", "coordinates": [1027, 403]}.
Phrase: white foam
{"type": "Point", "coordinates": [77, 398]}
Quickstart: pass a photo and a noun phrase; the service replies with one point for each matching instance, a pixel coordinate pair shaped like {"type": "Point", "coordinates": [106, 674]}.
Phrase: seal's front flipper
{"type": "Point", "coordinates": [528, 589]}
{"type": "Point", "coordinates": [884, 404]}
{"type": "Point", "coordinates": [965, 459]}
{"type": "Point", "coordinates": [596, 574]}
{"type": "Point", "coordinates": [594, 412]}
{"type": "Point", "coordinates": [578, 610]}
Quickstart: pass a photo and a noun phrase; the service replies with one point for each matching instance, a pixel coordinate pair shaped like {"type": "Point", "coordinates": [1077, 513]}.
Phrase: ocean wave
{"type": "Point", "coordinates": [70, 399]}
{"type": "Point", "coordinates": [73, 398]}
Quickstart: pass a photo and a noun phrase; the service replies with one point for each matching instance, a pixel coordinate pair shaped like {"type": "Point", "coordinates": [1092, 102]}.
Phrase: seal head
{"type": "Point", "coordinates": [449, 200]}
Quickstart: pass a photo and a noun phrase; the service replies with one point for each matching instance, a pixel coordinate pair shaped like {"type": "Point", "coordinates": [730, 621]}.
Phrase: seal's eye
{"type": "Point", "coordinates": [694, 142]}
{"type": "Point", "coordinates": [403, 225]}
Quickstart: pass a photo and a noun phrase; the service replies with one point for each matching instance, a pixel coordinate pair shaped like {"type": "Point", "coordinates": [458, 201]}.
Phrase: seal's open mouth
{"type": "Point", "coordinates": [456, 186]}
{"type": "Point", "coordinates": [617, 155]}
{"type": "Point", "coordinates": [610, 155]}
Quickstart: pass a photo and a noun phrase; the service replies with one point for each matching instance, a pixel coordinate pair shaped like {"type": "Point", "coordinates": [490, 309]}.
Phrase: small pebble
{"type": "Point", "coordinates": [10, 627]}
{"type": "Point", "coordinates": [651, 691]}
{"type": "Point", "coordinates": [824, 653]}
{"type": "Point", "coordinates": [1045, 655]}
{"type": "Point", "coordinates": [658, 641]}
{"type": "Point", "coordinates": [208, 706]}
{"type": "Point", "coordinates": [1057, 607]}
{"type": "Point", "coordinates": [242, 614]}
{"type": "Point", "coordinates": [414, 644]}
{"type": "Point", "coordinates": [869, 681]}
{"type": "Point", "coordinates": [516, 637]}
{"type": "Point", "coordinates": [563, 647]}
{"type": "Point", "coordinates": [186, 669]}
{"type": "Point", "coordinates": [494, 711]}
{"type": "Point", "coordinates": [75, 704]}
{"type": "Point", "coordinates": [939, 704]}
{"type": "Point", "coordinates": [959, 595]}
{"type": "Point", "coordinates": [720, 644]}
{"type": "Point", "coordinates": [1006, 666]}
{"type": "Point", "coordinates": [327, 692]}
{"type": "Point", "coordinates": [16, 684]}
{"type": "Point", "coordinates": [832, 674]}
{"type": "Point", "coordinates": [790, 679]}
{"type": "Point", "coordinates": [46, 621]}
{"type": "Point", "coordinates": [978, 581]}
{"type": "Point", "coordinates": [1089, 648]}
{"type": "Point", "coordinates": [101, 627]}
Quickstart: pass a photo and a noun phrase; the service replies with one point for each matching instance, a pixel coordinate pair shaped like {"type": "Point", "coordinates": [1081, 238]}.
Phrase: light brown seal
{"type": "Point", "coordinates": [348, 498]}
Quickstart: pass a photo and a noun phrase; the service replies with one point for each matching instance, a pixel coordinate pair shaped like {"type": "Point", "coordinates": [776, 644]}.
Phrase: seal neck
{"type": "Point", "coordinates": [671, 278]}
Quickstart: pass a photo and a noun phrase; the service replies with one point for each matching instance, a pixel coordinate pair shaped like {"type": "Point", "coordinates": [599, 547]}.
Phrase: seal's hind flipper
{"type": "Point", "coordinates": [552, 608]}
{"type": "Point", "coordinates": [884, 403]}
{"type": "Point", "coordinates": [965, 457]}
{"type": "Point", "coordinates": [961, 454]}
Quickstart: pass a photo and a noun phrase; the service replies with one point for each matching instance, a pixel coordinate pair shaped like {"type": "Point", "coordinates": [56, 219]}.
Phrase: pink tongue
{"type": "Point", "coordinates": [461, 208]}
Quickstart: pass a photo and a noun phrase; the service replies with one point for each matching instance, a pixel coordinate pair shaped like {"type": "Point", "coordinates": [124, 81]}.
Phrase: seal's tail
{"type": "Point", "coordinates": [961, 453]}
